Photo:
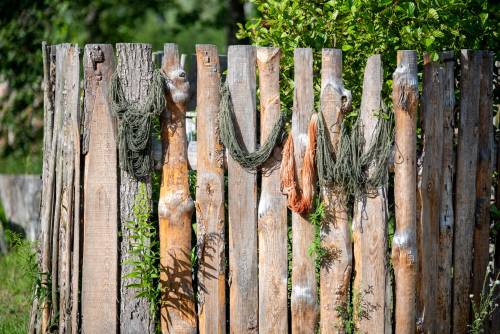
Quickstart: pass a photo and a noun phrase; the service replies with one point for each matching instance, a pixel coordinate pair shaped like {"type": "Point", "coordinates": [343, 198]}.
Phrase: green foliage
{"type": "Point", "coordinates": [488, 302]}
{"type": "Point", "coordinates": [316, 250]}
{"type": "Point", "coordinates": [144, 252]}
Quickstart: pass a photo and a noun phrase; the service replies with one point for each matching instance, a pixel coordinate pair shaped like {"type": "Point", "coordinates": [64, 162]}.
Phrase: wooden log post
{"type": "Point", "coordinates": [371, 279]}
{"type": "Point", "coordinates": [446, 219]}
{"type": "Point", "coordinates": [175, 206]}
{"type": "Point", "coordinates": [404, 247]}
{"type": "Point", "coordinates": [135, 70]}
{"type": "Point", "coordinates": [272, 220]}
{"type": "Point", "coordinates": [100, 216]}
{"type": "Point", "coordinates": [242, 196]}
{"type": "Point", "coordinates": [210, 195]}
{"type": "Point", "coordinates": [483, 176]}
{"type": "Point", "coordinates": [304, 298]}
{"type": "Point", "coordinates": [336, 267]}
{"type": "Point", "coordinates": [465, 197]}
{"type": "Point", "coordinates": [429, 191]}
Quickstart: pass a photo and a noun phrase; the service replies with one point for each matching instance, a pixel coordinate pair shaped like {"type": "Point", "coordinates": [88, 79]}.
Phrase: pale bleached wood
{"type": "Point", "coordinates": [404, 247]}
{"type": "Point", "coordinates": [370, 219]}
{"type": "Point", "coordinates": [446, 220]}
{"type": "Point", "coordinates": [465, 197]}
{"type": "Point", "coordinates": [304, 298]}
{"type": "Point", "coordinates": [175, 206]}
{"type": "Point", "coordinates": [210, 195]}
{"type": "Point", "coordinates": [135, 71]}
{"type": "Point", "coordinates": [100, 215]}
{"type": "Point", "coordinates": [336, 267]}
{"type": "Point", "coordinates": [242, 196]}
{"type": "Point", "coordinates": [483, 176]}
{"type": "Point", "coordinates": [272, 219]}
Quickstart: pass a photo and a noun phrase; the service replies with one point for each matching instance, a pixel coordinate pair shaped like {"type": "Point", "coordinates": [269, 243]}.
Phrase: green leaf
{"type": "Point", "coordinates": [433, 14]}
{"type": "Point", "coordinates": [346, 47]}
{"type": "Point", "coordinates": [428, 41]}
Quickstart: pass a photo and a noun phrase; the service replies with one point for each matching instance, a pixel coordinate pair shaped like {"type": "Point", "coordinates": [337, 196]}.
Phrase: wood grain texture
{"type": "Point", "coordinates": [175, 206]}
{"type": "Point", "coordinates": [446, 219]}
{"type": "Point", "coordinates": [210, 195]}
{"type": "Point", "coordinates": [135, 71]}
{"type": "Point", "coordinates": [272, 220]}
{"type": "Point", "coordinates": [336, 268]}
{"type": "Point", "coordinates": [242, 196]}
{"type": "Point", "coordinates": [429, 190]}
{"type": "Point", "coordinates": [465, 197]}
{"type": "Point", "coordinates": [370, 219]}
{"type": "Point", "coordinates": [304, 298]}
{"type": "Point", "coordinates": [483, 176]}
{"type": "Point", "coordinates": [404, 248]}
{"type": "Point", "coordinates": [100, 216]}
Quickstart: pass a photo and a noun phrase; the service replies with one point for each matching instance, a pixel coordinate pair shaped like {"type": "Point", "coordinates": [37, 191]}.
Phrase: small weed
{"type": "Point", "coordinates": [488, 302]}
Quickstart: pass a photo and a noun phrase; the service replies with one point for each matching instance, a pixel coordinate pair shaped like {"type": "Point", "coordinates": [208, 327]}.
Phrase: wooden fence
{"type": "Point", "coordinates": [254, 272]}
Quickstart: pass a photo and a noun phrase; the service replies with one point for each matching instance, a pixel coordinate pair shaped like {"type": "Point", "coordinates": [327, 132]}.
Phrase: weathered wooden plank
{"type": "Point", "coordinates": [404, 248]}
{"type": "Point", "coordinates": [336, 267]}
{"type": "Point", "coordinates": [304, 299]}
{"type": "Point", "coordinates": [446, 220]}
{"type": "Point", "coordinates": [242, 196]}
{"type": "Point", "coordinates": [429, 190]}
{"type": "Point", "coordinates": [465, 197]}
{"type": "Point", "coordinates": [272, 220]}
{"type": "Point", "coordinates": [135, 70]}
{"type": "Point", "coordinates": [370, 219]}
{"type": "Point", "coordinates": [100, 215]}
{"type": "Point", "coordinates": [175, 206]}
{"type": "Point", "coordinates": [210, 195]}
{"type": "Point", "coordinates": [483, 176]}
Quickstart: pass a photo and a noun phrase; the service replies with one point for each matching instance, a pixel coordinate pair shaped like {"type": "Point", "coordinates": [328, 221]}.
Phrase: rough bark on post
{"type": "Point", "coordinates": [446, 219]}
{"type": "Point", "coordinates": [135, 71]}
{"type": "Point", "coordinates": [272, 220]}
{"type": "Point", "coordinates": [429, 190]}
{"type": "Point", "coordinates": [465, 197]}
{"type": "Point", "coordinates": [336, 267]}
{"type": "Point", "coordinates": [210, 195]}
{"type": "Point", "coordinates": [370, 219]}
{"type": "Point", "coordinates": [304, 298]}
{"type": "Point", "coordinates": [242, 196]}
{"type": "Point", "coordinates": [483, 176]}
{"type": "Point", "coordinates": [404, 247]}
{"type": "Point", "coordinates": [100, 215]}
{"type": "Point", "coordinates": [175, 206]}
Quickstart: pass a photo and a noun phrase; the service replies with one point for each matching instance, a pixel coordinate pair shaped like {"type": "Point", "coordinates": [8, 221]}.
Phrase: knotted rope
{"type": "Point", "coordinates": [253, 160]}
{"type": "Point", "coordinates": [134, 124]}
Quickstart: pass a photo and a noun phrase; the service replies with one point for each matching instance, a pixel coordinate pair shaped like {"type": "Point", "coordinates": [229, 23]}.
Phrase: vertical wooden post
{"type": "Point", "coordinates": [242, 196]}
{"type": "Point", "coordinates": [483, 178]}
{"type": "Point", "coordinates": [135, 70]}
{"type": "Point", "coordinates": [304, 297]}
{"type": "Point", "coordinates": [429, 191]}
{"type": "Point", "coordinates": [175, 206]}
{"type": "Point", "coordinates": [465, 197]}
{"type": "Point", "coordinates": [336, 269]}
{"type": "Point", "coordinates": [404, 248]}
{"type": "Point", "coordinates": [100, 216]}
{"type": "Point", "coordinates": [210, 195]}
{"type": "Point", "coordinates": [370, 218]}
{"type": "Point", "coordinates": [272, 230]}
{"type": "Point", "coordinates": [446, 219]}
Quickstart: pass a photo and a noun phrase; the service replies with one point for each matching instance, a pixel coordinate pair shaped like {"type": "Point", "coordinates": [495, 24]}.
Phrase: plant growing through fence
{"type": "Point", "coordinates": [488, 302]}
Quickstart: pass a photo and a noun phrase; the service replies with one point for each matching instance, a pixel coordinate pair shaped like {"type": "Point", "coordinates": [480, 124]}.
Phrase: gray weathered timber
{"type": "Point", "coordinates": [210, 195]}
{"type": "Point", "coordinates": [404, 246]}
{"type": "Point", "coordinates": [446, 219]}
{"type": "Point", "coordinates": [465, 197]}
{"type": "Point", "coordinates": [135, 71]}
{"type": "Point", "coordinates": [370, 218]}
{"type": "Point", "coordinates": [242, 196]}
{"type": "Point", "coordinates": [483, 177]}
{"type": "Point", "coordinates": [100, 215]}
{"type": "Point", "coordinates": [429, 190]}
{"type": "Point", "coordinates": [304, 299]}
{"type": "Point", "coordinates": [272, 219]}
{"type": "Point", "coordinates": [335, 275]}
